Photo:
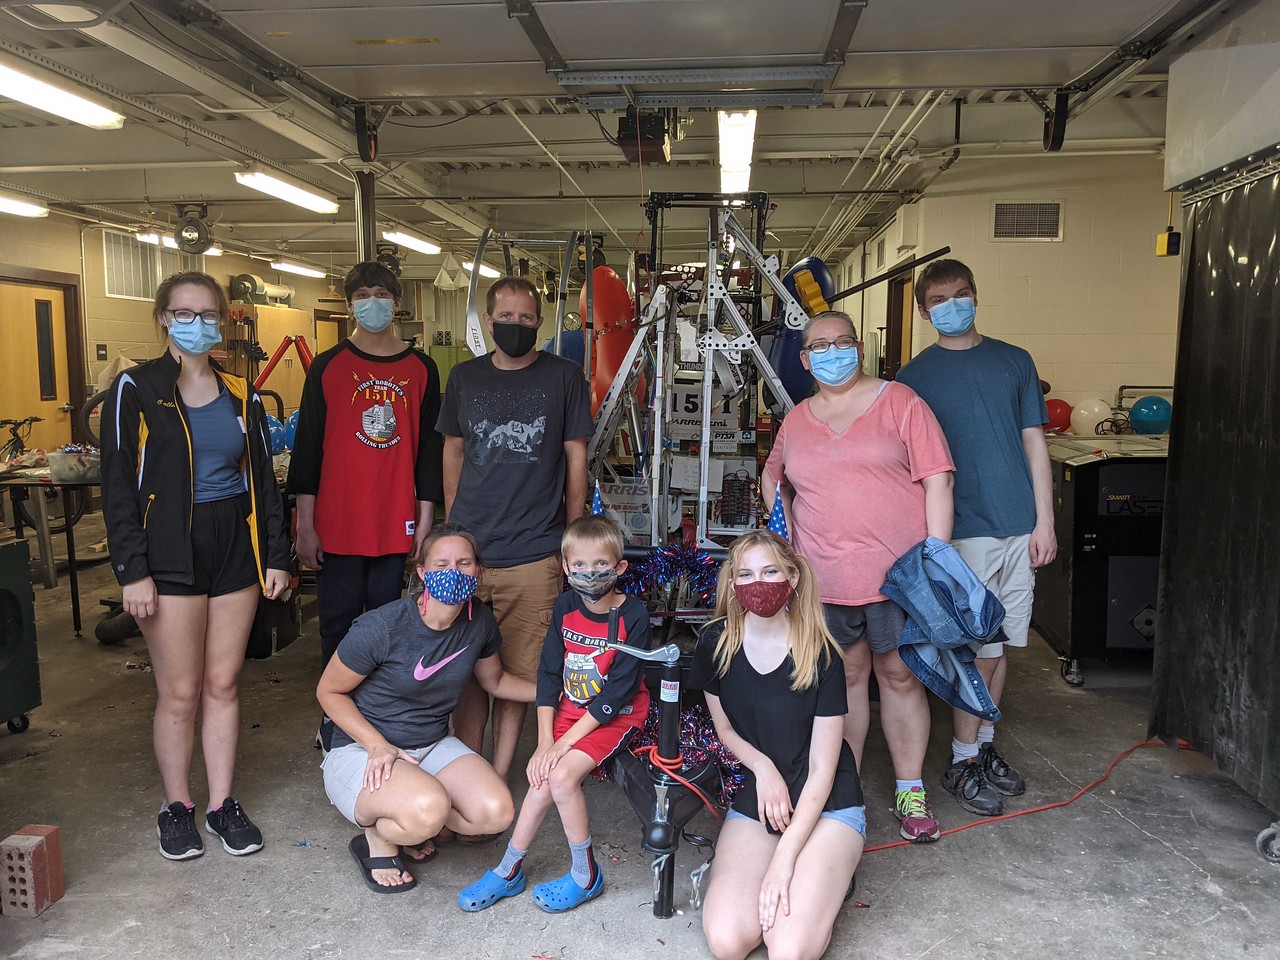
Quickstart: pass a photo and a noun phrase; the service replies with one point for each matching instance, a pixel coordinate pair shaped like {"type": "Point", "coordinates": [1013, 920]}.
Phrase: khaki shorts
{"type": "Point", "coordinates": [1003, 564]}
{"type": "Point", "coordinates": [522, 598]}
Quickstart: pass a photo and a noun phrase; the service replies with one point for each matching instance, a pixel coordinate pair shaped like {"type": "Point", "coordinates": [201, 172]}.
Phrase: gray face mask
{"type": "Point", "coordinates": [593, 585]}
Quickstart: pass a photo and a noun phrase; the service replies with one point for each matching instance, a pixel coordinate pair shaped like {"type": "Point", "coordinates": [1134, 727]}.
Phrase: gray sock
{"type": "Point", "coordinates": [511, 861]}
{"type": "Point", "coordinates": [584, 864]}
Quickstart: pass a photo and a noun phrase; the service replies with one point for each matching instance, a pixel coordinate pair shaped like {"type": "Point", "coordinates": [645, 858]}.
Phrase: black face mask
{"type": "Point", "coordinates": [514, 339]}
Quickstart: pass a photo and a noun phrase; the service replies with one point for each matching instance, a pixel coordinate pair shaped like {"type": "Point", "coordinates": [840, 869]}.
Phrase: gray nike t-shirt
{"type": "Point", "coordinates": [413, 675]}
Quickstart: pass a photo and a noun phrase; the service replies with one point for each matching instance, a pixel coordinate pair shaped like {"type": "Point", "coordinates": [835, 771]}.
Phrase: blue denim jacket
{"type": "Point", "coordinates": [950, 615]}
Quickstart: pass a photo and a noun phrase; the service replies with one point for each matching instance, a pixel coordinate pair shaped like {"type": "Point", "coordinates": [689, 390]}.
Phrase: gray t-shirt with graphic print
{"type": "Point", "coordinates": [513, 425]}
{"type": "Point", "coordinates": [413, 675]}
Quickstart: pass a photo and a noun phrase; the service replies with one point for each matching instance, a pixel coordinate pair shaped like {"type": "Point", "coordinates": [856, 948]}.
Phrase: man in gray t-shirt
{"type": "Point", "coordinates": [986, 395]}
{"type": "Point", "coordinates": [515, 425]}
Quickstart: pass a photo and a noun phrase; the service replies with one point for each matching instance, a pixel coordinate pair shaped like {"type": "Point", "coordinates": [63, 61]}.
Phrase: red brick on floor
{"type": "Point", "coordinates": [31, 870]}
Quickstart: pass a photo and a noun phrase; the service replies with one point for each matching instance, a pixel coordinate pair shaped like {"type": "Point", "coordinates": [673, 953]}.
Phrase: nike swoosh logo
{"type": "Point", "coordinates": [421, 673]}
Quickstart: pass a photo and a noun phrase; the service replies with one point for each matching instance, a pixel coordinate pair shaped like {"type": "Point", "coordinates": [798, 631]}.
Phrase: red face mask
{"type": "Point", "coordinates": [764, 598]}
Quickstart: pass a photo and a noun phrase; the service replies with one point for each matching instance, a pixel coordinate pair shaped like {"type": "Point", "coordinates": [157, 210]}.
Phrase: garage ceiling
{"type": "Point", "coordinates": [501, 112]}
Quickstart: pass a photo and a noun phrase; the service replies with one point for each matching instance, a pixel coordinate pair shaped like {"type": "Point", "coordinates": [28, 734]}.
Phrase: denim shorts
{"type": "Point", "coordinates": [855, 817]}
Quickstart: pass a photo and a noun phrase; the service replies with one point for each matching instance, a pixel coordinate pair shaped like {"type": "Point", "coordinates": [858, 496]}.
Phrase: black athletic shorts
{"type": "Point", "coordinates": [221, 550]}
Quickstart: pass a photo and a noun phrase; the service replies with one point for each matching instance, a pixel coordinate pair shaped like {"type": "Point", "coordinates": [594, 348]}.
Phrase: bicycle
{"type": "Point", "coordinates": [19, 431]}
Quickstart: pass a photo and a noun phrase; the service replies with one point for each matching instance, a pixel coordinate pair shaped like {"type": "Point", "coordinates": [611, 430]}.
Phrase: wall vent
{"type": "Point", "coordinates": [133, 270]}
{"type": "Point", "coordinates": [880, 253]}
{"type": "Point", "coordinates": [1026, 220]}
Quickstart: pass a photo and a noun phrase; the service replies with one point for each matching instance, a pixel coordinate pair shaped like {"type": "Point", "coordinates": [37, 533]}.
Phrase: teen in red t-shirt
{"type": "Point", "coordinates": [366, 466]}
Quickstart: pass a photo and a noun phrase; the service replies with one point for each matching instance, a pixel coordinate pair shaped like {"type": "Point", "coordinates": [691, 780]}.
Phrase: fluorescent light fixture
{"type": "Point", "coordinates": [297, 268]}
{"type": "Point", "coordinates": [22, 206]}
{"type": "Point", "coordinates": [287, 188]}
{"type": "Point", "coordinates": [151, 238]}
{"type": "Point", "coordinates": [24, 84]}
{"type": "Point", "coordinates": [737, 139]}
{"type": "Point", "coordinates": [420, 244]}
{"type": "Point", "coordinates": [485, 270]}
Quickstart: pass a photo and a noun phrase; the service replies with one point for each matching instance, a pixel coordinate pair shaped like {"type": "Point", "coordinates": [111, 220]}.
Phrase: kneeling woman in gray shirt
{"type": "Point", "coordinates": [394, 770]}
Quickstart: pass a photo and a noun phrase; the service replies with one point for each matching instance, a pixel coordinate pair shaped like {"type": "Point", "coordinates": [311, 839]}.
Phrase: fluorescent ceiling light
{"type": "Point", "coordinates": [23, 84]}
{"type": "Point", "coordinates": [412, 242]}
{"type": "Point", "coordinates": [297, 268]}
{"type": "Point", "coordinates": [485, 270]}
{"type": "Point", "coordinates": [287, 188]}
{"type": "Point", "coordinates": [151, 238]}
{"type": "Point", "coordinates": [22, 206]}
{"type": "Point", "coordinates": [737, 139]}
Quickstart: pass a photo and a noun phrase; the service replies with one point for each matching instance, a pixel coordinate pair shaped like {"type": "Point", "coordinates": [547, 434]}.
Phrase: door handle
{"type": "Point", "coordinates": [67, 408]}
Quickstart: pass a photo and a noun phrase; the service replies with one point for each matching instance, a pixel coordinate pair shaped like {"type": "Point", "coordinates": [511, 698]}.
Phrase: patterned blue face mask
{"type": "Point", "coordinates": [452, 586]}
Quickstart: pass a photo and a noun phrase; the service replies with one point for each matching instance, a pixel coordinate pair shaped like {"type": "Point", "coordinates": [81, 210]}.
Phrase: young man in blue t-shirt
{"type": "Point", "coordinates": [986, 395]}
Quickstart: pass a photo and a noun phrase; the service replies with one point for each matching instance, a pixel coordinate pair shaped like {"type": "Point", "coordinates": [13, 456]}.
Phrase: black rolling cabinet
{"type": "Point", "coordinates": [1099, 595]}
{"type": "Point", "coordinates": [19, 666]}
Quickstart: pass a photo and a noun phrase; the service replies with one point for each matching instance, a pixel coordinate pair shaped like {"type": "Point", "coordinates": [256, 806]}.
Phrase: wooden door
{"type": "Point", "coordinates": [35, 379]}
{"type": "Point", "coordinates": [274, 324]}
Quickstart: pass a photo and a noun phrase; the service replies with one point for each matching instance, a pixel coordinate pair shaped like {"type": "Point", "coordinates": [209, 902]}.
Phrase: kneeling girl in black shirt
{"type": "Point", "coordinates": [775, 689]}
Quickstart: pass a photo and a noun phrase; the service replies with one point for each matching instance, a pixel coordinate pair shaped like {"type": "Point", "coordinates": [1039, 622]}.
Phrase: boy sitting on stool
{"type": "Point", "coordinates": [590, 701]}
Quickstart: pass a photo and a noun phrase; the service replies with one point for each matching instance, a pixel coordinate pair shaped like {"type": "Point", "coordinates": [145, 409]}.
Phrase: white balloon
{"type": "Point", "coordinates": [1086, 416]}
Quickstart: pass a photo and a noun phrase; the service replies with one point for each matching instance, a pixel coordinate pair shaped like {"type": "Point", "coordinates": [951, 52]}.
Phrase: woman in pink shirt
{"type": "Point", "coordinates": [865, 475]}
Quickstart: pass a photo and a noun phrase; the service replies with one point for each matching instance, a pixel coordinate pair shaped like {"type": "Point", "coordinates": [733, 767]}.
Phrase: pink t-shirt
{"type": "Point", "coordinates": [859, 503]}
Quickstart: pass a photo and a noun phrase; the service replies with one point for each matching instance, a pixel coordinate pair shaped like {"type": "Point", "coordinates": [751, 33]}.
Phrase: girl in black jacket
{"type": "Point", "coordinates": [196, 532]}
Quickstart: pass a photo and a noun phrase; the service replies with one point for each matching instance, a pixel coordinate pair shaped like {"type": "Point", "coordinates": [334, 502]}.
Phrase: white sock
{"type": "Point", "coordinates": [986, 733]}
{"type": "Point", "coordinates": [963, 751]}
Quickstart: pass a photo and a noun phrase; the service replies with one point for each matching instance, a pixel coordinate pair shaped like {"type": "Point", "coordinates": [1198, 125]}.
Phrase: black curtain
{"type": "Point", "coordinates": [1217, 664]}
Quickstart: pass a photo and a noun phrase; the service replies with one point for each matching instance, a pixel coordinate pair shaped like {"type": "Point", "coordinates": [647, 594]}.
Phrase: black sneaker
{"type": "Point", "coordinates": [998, 773]}
{"type": "Point", "coordinates": [176, 828]}
{"type": "Point", "coordinates": [965, 782]}
{"type": "Point", "coordinates": [232, 824]}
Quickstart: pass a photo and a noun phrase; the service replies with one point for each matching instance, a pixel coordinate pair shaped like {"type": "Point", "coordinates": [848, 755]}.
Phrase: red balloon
{"type": "Point", "coordinates": [1059, 415]}
{"type": "Point", "coordinates": [613, 330]}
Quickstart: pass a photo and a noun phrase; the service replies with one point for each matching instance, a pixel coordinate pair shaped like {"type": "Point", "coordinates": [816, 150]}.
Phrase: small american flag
{"type": "Point", "coordinates": [597, 504]}
{"type": "Point", "coordinates": [778, 518]}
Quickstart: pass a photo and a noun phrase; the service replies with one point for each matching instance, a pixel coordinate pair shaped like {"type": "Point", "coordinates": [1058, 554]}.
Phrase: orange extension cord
{"type": "Point", "coordinates": [1181, 745]}
{"type": "Point", "coordinates": [673, 767]}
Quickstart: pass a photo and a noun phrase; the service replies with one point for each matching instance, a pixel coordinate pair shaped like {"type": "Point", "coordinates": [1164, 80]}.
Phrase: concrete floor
{"type": "Point", "coordinates": [1157, 862]}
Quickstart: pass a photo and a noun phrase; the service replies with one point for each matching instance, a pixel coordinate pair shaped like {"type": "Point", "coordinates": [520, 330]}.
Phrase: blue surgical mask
{"type": "Point", "coordinates": [374, 313]}
{"type": "Point", "coordinates": [452, 586]}
{"type": "Point", "coordinates": [953, 317]}
{"type": "Point", "coordinates": [834, 367]}
{"type": "Point", "coordinates": [196, 337]}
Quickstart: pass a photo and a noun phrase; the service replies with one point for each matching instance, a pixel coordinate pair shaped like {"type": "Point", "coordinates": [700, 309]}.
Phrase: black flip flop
{"type": "Point", "coordinates": [359, 847]}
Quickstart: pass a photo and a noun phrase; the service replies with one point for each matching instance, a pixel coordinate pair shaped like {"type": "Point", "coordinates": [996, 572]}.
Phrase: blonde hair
{"type": "Point", "coordinates": [832, 315]}
{"type": "Point", "coordinates": [812, 645]}
{"type": "Point", "coordinates": [593, 528]}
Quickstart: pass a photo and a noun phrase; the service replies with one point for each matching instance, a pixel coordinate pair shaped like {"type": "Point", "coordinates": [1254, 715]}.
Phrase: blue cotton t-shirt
{"type": "Point", "coordinates": [217, 444]}
{"type": "Point", "coordinates": [984, 397]}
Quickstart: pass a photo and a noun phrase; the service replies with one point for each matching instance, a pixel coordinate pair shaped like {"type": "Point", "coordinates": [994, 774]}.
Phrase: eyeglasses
{"type": "Point", "coordinates": [822, 346]}
{"type": "Point", "coordinates": [524, 319]}
{"type": "Point", "coordinates": [211, 317]}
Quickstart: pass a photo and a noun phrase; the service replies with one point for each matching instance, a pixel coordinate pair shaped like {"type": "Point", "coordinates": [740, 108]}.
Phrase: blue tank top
{"type": "Point", "coordinates": [217, 442]}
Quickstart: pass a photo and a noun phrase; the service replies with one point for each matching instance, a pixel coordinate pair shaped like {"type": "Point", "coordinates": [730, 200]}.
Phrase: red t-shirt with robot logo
{"type": "Point", "coordinates": [367, 449]}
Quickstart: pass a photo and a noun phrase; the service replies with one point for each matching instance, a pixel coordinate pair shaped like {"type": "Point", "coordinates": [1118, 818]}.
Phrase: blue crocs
{"type": "Point", "coordinates": [488, 890]}
{"type": "Point", "coordinates": [557, 896]}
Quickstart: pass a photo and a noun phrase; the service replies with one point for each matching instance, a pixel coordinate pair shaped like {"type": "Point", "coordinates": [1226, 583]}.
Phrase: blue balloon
{"type": "Point", "coordinates": [571, 345]}
{"type": "Point", "coordinates": [291, 429]}
{"type": "Point", "coordinates": [276, 429]}
{"type": "Point", "coordinates": [784, 357]}
{"type": "Point", "coordinates": [1151, 415]}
